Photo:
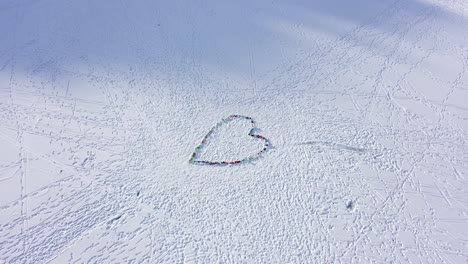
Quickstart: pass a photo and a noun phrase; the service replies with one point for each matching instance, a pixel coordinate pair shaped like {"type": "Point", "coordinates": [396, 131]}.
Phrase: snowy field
{"type": "Point", "coordinates": [365, 104]}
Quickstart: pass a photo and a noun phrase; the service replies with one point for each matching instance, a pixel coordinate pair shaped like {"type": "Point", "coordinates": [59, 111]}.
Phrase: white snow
{"type": "Point", "coordinates": [103, 102]}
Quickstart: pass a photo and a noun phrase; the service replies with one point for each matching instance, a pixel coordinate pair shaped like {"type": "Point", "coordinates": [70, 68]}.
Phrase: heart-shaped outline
{"type": "Point", "coordinates": [246, 159]}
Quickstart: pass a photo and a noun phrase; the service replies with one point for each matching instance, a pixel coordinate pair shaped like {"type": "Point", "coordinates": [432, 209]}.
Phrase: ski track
{"type": "Point", "coordinates": [368, 127]}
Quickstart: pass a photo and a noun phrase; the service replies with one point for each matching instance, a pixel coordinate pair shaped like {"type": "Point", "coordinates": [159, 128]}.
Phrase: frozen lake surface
{"type": "Point", "coordinates": [365, 104]}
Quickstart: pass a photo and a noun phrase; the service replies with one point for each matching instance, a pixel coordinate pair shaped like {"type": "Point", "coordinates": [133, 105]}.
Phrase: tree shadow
{"type": "Point", "coordinates": [243, 43]}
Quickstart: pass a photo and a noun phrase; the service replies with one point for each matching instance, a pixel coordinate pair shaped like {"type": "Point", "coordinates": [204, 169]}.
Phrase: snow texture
{"type": "Point", "coordinates": [365, 104]}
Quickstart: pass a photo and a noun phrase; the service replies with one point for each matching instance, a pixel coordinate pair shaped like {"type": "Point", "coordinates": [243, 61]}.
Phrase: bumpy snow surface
{"type": "Point", "coordinates": [365, 104]}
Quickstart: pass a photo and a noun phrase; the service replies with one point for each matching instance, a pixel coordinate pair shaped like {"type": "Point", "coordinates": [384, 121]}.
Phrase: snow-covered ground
{"type": "Point", "coordinates": [365, 104]}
